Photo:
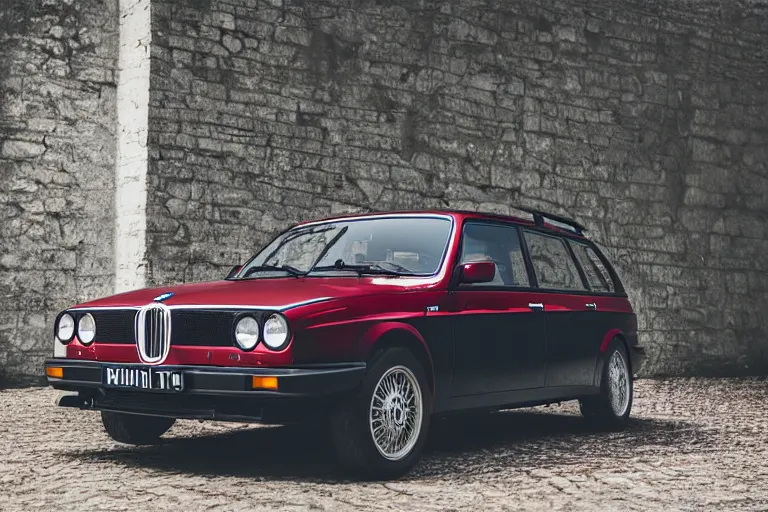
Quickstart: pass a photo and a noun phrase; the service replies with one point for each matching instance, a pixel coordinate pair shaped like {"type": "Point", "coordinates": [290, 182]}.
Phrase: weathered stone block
{"type": "Point", "coordinates": [321, 108]}
{"type": "Point", "coordinates": [57, 157]}
{"type": "Point", "coordinates": [19, 149]}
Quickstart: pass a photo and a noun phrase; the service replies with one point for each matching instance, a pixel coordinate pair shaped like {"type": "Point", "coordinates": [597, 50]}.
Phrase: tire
{"type": "Point", "coordinates": [134, 428]}
{"type": "Point", "coordinates": [601, 411]}
{"type": "Point", "coordinates": [354, 420]}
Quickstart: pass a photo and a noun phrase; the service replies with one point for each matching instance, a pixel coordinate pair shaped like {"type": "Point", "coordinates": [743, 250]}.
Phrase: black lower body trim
{"type": "Point", "coordinates": [205, 407]}
{"type": "Point", "coordinates": [213, 393]}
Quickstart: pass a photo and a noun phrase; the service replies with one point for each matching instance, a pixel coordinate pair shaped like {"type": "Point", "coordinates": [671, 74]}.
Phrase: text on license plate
{"type": "Point", "coordinates": [143, 378]}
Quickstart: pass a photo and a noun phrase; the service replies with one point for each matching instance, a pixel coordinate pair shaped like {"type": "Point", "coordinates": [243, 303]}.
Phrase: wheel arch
{"type": "Point", "coordinates": [610, 336]}
{"type": "Point", "coordinates": [398, 334]}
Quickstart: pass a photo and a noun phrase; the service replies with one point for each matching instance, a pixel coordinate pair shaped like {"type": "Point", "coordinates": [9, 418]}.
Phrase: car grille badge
{"type": "Point", "coordinates": [162, 297]}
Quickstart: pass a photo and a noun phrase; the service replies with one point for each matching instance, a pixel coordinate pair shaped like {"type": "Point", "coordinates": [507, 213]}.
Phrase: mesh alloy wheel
{"type": "Point", "coordinates": [610, 409]}
{"type": "Point", "coordinates": [618, 383]}
{"type": "Point", "coordinates": [379, 432]}
{"type": "Point", "coordinates": [395, 413]}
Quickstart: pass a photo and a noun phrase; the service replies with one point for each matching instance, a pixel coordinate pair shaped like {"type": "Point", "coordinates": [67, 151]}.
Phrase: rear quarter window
{"type": "Point", "coordinates": [598, 277]}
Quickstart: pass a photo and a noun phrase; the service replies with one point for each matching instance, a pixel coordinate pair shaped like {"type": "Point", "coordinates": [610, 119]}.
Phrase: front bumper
{"type": "Point", "coordinates": [210, 392]}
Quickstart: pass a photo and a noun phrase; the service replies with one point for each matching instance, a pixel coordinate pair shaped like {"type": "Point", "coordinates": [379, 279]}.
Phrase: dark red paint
{"type": "Point", "coordinates": [609, 336]}
{"type": "Point", "coordinates": [477, 340]}
{"type": "Point", "coordinates": [477, 272]}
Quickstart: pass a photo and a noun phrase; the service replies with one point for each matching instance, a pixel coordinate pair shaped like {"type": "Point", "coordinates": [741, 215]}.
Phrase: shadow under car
{"type": "Point", "coordinates": [455, 444]}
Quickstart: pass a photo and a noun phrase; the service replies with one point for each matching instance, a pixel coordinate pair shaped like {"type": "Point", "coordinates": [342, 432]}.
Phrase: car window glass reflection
{"type": "Point", "coordinates": [499, 244]}
{"type": "Point", "coordinates": [552, 262]}
{"type": "Point", "coordinates": [408, 246]}
{"type": "Point", "coordinates": [597, 276]}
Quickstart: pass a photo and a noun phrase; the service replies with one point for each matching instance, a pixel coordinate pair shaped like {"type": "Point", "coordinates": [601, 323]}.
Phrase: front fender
{"type": "Point", "coordinates": [377, 331]}
{"type": "Point", "coordinates": [412, 337]}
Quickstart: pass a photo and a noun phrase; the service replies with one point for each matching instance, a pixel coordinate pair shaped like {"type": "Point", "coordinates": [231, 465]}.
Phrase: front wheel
{"type": "Point", "coordinates": [610, 409]}
{"type": "Point", "coordinates": [134, 428]}
{"type": "Point", "coordinates": [380, 431]}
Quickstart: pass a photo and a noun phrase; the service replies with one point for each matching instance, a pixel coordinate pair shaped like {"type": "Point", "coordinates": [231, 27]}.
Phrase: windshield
{"type": "Point", "coordinates": [384, 245]}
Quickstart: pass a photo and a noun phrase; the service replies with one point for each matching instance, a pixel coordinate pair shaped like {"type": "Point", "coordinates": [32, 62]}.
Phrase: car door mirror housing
{"type": "Point", "coordinates": [477, 272]}
{"type": "Point", "coordinates": [233, 271]}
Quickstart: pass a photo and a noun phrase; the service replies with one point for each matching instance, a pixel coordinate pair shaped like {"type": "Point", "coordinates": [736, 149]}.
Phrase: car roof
{"type": "Point", "coordinates": [575, 229]}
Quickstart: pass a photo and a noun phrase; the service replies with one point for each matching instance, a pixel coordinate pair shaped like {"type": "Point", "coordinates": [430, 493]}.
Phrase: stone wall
{"type": "Point", "coordinates": [646, 120]}
{"type": "Point", "coordinates": [57, 158]}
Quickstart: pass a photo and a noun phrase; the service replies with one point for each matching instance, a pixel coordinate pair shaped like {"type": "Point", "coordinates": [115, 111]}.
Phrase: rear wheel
{"type": "Point", "coordinates": [610, 409]}
{"type": "Point", "coordinates": [380, 431]}
{"type": "Point", "coordinates": [135, 428]}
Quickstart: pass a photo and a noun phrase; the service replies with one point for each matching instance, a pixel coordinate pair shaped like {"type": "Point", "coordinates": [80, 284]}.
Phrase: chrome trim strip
{"type": "Point", "coordinates": [390, 215]}
{"type": "Point", "coordinates": [159, 333]}
{"type": "Point", "coordinates": [102, 308]}
{"type": "Point", "coordinates": [240, 306]}
{"type": "Point", "coordinates": [283, 307]}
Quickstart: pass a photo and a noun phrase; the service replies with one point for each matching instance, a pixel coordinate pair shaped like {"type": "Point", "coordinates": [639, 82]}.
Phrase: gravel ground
{"type": "Point", "coordinates": [694, 445]}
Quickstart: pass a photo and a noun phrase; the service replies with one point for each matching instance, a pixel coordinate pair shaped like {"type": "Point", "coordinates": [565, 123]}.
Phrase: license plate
{"type": "Point", "coordinates": [142, 378]}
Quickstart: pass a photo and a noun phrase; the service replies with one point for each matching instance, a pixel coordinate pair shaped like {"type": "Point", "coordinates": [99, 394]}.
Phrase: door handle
{"type": "Point", "coordinates": [536, 305]}
{"type": "Point", "coordinates": [591, 305]}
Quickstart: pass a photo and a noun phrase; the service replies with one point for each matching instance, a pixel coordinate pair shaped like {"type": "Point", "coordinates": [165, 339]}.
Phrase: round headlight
{"type": "Point", "coordinates": [65, 329]}
{"type": "Point", "coordinates": [275, 332]}
{"type": "Point", "coordinates": [86, 329]}
{"type": "Point", "coordinates": [247, 333]}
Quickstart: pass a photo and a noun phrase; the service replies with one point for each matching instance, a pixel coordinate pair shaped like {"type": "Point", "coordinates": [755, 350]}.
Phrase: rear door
{"type": "Point", "coordinates": [500, 344]}
{"type": "Point", "coordinates": [607, 313]}
{"type": "Point", "coordinates": [572, 344]}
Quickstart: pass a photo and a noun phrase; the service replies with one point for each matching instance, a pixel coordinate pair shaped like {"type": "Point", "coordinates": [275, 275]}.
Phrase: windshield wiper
{"type": "Point", "coordinates": [397, 267]}
{"type": "Point", "coordinates": [375, 269]}
{"type": "Point", "coordinates": [293, 270]}
{"type": "Point", "coordinates": [286, 268]}
{"type": "Point", "coordinates": [299, 232]}
{"type": "Point", "coordinates": [402, 272]}
{"type": "Point", "coordinates": [328, 248]}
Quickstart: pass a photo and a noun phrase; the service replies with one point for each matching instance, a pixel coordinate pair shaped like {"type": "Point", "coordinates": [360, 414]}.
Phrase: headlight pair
{"type": "Point", "coordinates": [86, 328]}
{"type": "Point", "coordinates": [275, 333]}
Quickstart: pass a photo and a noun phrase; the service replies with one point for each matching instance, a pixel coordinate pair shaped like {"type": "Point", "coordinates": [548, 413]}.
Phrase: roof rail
{"type": "Point", "coordinates": [539, 217]}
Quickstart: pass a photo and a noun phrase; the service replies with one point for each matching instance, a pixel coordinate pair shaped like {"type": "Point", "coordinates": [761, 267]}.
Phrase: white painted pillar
{"type": "Point", "coordinates": [132, 154]}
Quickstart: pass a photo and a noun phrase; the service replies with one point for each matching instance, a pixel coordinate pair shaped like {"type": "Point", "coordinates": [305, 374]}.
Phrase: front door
{"type": "Point", "coordinates": [500, 339]}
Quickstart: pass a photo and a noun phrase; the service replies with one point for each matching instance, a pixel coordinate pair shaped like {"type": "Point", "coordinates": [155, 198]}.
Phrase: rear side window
{"type": "Point", "coordinates": [552, 262]}
{"type": "Point", "coordinates": [499, 244]}
{"type": "Point", "coordinates": [598, 277]}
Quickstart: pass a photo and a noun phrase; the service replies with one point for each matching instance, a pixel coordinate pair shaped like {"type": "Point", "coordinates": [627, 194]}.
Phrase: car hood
{"type": "Point", "coordinates": [279, 293]}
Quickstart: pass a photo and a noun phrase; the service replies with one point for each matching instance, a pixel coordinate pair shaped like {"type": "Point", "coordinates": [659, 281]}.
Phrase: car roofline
{"type": "Point", "coordinates": [459, 214]}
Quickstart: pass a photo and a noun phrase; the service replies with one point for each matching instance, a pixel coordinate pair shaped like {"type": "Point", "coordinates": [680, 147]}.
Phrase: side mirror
{"type": "Point", "coordinates": [477, 272]}
{"type": "Point", "coordinates": [233, 272]}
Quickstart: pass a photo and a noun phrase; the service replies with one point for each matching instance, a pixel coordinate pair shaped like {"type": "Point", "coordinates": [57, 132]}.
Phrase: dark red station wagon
{"type": "Point", "coordinates": [372, 323]}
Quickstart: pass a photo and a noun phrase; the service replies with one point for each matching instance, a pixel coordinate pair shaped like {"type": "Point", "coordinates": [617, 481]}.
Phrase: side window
{"type": "Point", "coordinates": [598, 277]}
{"type": "Point", "coordinates": [552, 262]}
{"type": "Point", "coordinates": [499, 244]}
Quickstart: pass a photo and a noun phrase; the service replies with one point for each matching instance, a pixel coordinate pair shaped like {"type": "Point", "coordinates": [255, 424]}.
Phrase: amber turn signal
{"type": "Point", "coordinates": [264, 382]}
{"type": "Point", "coordinates": [55, 372]}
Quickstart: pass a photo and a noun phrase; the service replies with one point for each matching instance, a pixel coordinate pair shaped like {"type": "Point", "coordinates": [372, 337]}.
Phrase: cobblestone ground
{"type": "Point", "coordinates": [693, 445]}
